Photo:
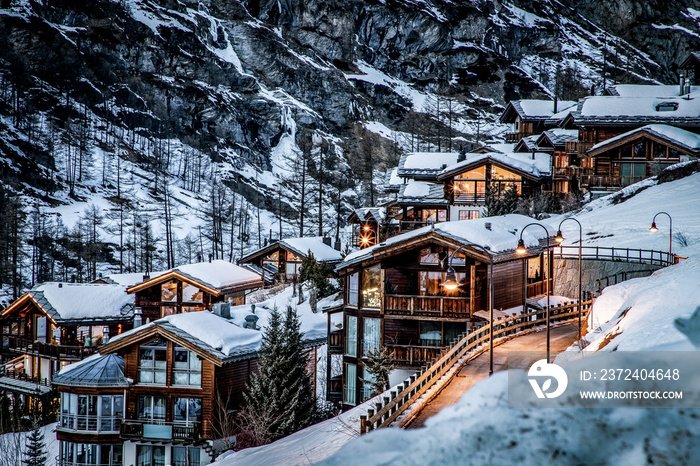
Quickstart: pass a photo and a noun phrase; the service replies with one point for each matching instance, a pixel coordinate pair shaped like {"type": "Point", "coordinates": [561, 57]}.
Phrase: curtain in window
{"type": "Point", "coordinates": [371, 334]}
{"type": "Point", "coordinates": [351, 336]}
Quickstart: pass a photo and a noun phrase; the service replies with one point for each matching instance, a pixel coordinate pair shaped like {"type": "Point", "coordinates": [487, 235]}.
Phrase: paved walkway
{"type": "Point", "coordinates": [478, 369]}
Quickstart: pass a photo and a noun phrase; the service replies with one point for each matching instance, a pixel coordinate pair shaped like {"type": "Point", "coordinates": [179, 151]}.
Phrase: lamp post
{"type": "Point", "coordinates": [452, 284]}
{"type": "Point", "coordinates": [559, 239]}
{"type": "Point", "coordinates": [670, 231]}
{"type": "Point", "coordinates": [522, 250]}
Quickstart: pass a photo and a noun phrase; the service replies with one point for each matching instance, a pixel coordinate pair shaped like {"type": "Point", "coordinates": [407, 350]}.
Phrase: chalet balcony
{"type": "Point", "coordinates": [513, 137]}
{"type": "Point", "coordinates": [567, 173]}
{"type": "Point", "coordinates": [89, 424]}
{"type": "Point", "coordinates": [606, 181]}
{"type": "Point", "coordinates": [412, 355]}
{"type": "Point", "coordinates": [409, 225]}
{"type": "Point", "coordinates": [428, 306]}
{"type": "Point", "coordinates": [22, 345]}
{"type": "Point", "coordinates": [163, 431]}
{"type": "Point", "coordinates": [335, 342]}
{"type": "Point", "coordinates": [467, 198]}
{"type": "Point", "coordinates": [571, 147]}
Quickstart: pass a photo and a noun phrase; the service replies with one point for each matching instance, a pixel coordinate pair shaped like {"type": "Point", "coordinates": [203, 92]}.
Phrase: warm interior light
{"type": "Point", "coordinates": [366, 227]}
{"type": "Point", "coordinates": [559, 238]}
{"type": "Point", "coordinates": [450, 283]}
{"type": "Point", "coordinates": [653, 227]}
{"type": "Point", "coordinates": [521, 247]}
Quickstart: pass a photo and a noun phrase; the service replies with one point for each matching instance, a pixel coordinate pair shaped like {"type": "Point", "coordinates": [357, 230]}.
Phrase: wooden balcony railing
{"type": "Point", "coordinates": [513, 137]}
{"type": "Point", "coordinates": [427, 306]}
{"type": "Point", "coordinates": [412, 355]}
{"type": "Point", "coordinates": [605, 181]}
{"type": "Point", "coordinates": [23, 376]}
{"type": "Point", "coordinates": [161, 430]}
{"type": "Point", "coordinates": [470, 198]}
{"type": "Point", "coordinates": [409, 225]}
{"type": "Point", "coordinates": [24, 345]}
{"type": "Point", "coordinates": [565, 172]}
{"type": "Point", "coordinates": [538, 288]}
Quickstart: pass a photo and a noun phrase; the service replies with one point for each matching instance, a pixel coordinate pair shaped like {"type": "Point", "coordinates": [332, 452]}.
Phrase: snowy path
{"type": "Point", "coordinates": [477, 369]}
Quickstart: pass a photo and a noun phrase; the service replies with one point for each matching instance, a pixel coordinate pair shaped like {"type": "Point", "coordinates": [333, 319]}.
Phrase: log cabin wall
{"type": "Point", "coordinates": [170, 392]}
{"type": "Point", "coordinates": [232, 380]}
{"type": "Point", "coordinates": [508, 282]}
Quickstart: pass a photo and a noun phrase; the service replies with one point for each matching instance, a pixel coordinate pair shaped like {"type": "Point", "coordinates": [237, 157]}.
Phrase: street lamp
{"type": "Point", "coordinates": [522, 250]}
{"type": "Point", "coordinates": [670, 231]}
{"type": "Point", "coordinates": [452, 284]}
{"type": "Point", "coordinates": [560, 239]}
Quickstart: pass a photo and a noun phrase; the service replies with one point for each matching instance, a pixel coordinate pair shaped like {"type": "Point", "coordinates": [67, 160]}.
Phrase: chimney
{"type": "Point", "coordinates": [60, 285]}
{"type": "Point", "coordinates": [555, 104]}
{"type": "Point", "coordinates": [461, 157]}
{"type": "Point", "coordinates": [336, 246]}
{"type": "Point", "coordinates": [146, 277]}
{"type": "Point", "coordinates": [138, 318]}
{"type": "Point", "coordinates": [105, 335]}
{"type": "Point", "coordinates": [682, 85]}
{"type": "Point", "coordinates": [533, 154]}
{"type": "Point", "coordinates": [487, 225]}
{"type": "Point", "coordinates": [327, 240]}
{"type": "Point", "coordinates": [222, 310]}
{"type": "Point", "coordinates": [210, 257]}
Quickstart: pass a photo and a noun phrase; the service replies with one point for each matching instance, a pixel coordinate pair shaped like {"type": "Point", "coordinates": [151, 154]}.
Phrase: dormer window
{"type": "Point", "coordinates": [667, 107]}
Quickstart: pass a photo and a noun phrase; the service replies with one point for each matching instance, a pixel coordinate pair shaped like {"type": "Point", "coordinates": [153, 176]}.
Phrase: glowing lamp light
{"type": "Point", "coordinates": [450, 282]}
{"type": "Point", "coordinates": [366, 227]}
{"type": "Point", "coordinates": [365, 240]}
{"type": "Point", "coordinates": [653, 227]}
{"type": "Point", "coordinates": [521, 247]}
{"type": "Point", "coordinates": [559, 238]}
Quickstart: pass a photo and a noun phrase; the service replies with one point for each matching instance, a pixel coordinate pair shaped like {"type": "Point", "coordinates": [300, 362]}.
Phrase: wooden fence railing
{"type": "Point", "coordinates": [427, 306]}
{"type": "Point", "coordinates": [412, 388]}
{"type": "Point", "coordinates": [641, 256]}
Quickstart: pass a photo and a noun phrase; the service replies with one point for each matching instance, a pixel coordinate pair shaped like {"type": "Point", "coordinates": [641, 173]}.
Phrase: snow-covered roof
{"type": "Point", "coordinates": [527, 144]}
{"type": "Point", "coordinates": [638, 110]}
{"type": "Point", "coordinates": [217, 275]}
{"type": "Point", "coordinates": [214, 334]}
{"type": "Point", "coordinates": [648, 90]}
{"type": "Point", "coordinates": [321, 251]}
{"type": "Point", "coordinates": [680, 137]}
{"type": "Point", "coordinates": [533, 109]}
{"type": "Point", "coordinates": [392, 181]}
{"type": "Point", "coordinates": [127, 279]}
{"type": "Point", "coordinates": [81, 301]}
{"type": "Point", "coordinates": [425, 163]}
{"type": "Point", "coordinates": [502, 236]}
{"type": "Point", "coordinates": [502, 148]}
{"type": "Point", "coordinates": [558, 136]}
{"type": "Point", "coordinates": [96, 370]}
{"type": "Point", "coordinates": [422, 192]}
{"type": "Point", "coordinates": [521, 161]}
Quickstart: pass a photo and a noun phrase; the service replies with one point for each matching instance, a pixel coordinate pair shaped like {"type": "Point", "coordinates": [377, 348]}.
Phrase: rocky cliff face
{"type": "Point", "coordinates": [235, 92]}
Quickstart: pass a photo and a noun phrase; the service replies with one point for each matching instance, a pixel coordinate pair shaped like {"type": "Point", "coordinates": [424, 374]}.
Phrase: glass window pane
{"type": "Point", "coordinates": [371, 335]}
{"type": "Point", "coordinates": [351, 336]}
{"type": "Point", "coordinates": [119, 405]}
{"type": "Point", "coordinates": [353, 288]}
{"type": "Point", "coordinates": [146, 357]}
{"type": "Point", "coordinates": [370, 286]}
{"type": "Point", "coordinates": [350, 383]}
{"type": "Point", "coordinates": [431, 333]}
{"type": "Point", "coordinates": [158, 407]}
{"type": "Point", "coordinates": [195, 409]}
{"type": "Point", "coordinates": [180, 378]}
{"type": "Point", "coordinates": [191, 294]}
{"type": "Point", "coordinates": [195, 378]}
{"type": "Point", "coordinates": [168, 291]}
{"type": "Point", "coordinates": [179, 456]}
{"type": "Point", "coordinates": [180, 409]}
{"type": "Point", "coordinates": [195, 362]}
{"type": "Point", "coordinates": [180, 359]}
{"type": "Point", "coordinates": [158, 456]}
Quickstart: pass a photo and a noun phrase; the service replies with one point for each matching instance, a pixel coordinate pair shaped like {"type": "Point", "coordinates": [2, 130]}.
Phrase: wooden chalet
{"type": "Point", "coordinates": [566, 165]}
{"type": "Point", "coordinates": [283, 259]}
{"type": "Point", "coordinates": [193, 287]}
{"type": "Point", "coordinates": [393, 294]}
{"type": "Point", "coordinates": [55, 324]}
{"type": "Point", "coordinates": [465, 183]}
{"type": "Point", "coordinates": [169, 379]}
{"type": "Point", "coordinates": [366, 223]}
{"type": "Point", "coordinates": [530, 117]}
{"type": "Point", "coordinates": [638, 154]}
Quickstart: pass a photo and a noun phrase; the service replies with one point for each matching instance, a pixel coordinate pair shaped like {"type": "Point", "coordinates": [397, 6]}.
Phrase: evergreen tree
{"type": "Point", "coordinates": [379, 363]}
{"type": "Point", "coordinates": [279, 399]}
{"type": "Point", "coordinates": [509, 200]}
{"type": "Point", "coordinates": [35, 452]}
{"type": "Point", "coordinates": [318, 275]}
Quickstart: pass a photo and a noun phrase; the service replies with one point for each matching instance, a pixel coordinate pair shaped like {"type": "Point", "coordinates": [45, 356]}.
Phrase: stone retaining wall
{"type": "Point", "coordinates": [566, 274]}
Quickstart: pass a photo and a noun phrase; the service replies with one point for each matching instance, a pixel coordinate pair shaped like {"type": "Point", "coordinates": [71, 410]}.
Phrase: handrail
{"type": "Point", "coordinates": [624, 276]}
{"type": "Point", "coordinates": [413, 387]}
{"type": "Point", "coordinates": [641, 256]}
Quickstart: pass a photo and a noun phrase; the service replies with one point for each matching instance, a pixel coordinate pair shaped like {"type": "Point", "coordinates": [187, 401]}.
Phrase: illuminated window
{"type": "Point", "coordinates": [468, 214]}
{"type": "Point", "coordinates": [371, 278]}
{"type": "Point", "coordinates": [191, 294]}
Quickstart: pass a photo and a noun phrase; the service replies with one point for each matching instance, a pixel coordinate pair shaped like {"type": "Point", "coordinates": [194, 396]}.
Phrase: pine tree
{"type": "Point", "coordinates": [379, 363]}
{"type": "Point", "coordinates": [279, 399]}
{"type": "Point", "coordinates": [35, 452]}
